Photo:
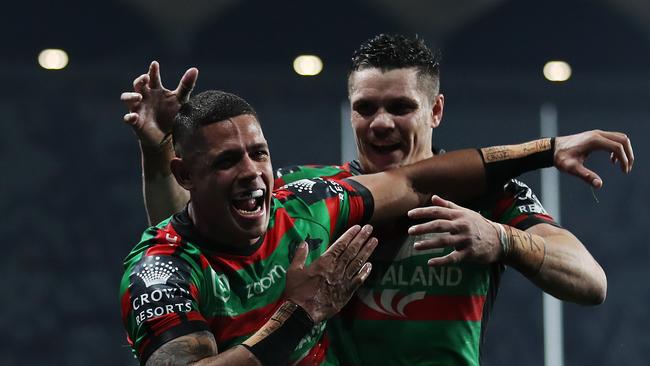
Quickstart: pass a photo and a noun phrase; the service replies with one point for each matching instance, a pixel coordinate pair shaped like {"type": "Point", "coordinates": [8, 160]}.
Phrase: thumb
{"type": "Point", "coordinates": [299, 257]}
{"type": "Point", "coordinates": [186, 85]}
{"type": "Point", "coordinates": [588, 176]}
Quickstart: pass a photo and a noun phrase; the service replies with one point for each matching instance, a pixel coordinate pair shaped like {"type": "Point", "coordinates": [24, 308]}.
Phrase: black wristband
{"type": "Point", "coordinates": [276, 347]}
{"type": "Point", "coordinates": [502, 163]}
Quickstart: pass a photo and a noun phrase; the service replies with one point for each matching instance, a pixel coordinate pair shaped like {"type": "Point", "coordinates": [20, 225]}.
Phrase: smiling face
{"type": "Point", "coordinates": [392, 117]}
{"type": "Point", "coordinates": [230, 179]}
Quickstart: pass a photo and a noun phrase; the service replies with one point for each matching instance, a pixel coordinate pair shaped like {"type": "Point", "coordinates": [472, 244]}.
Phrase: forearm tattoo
{"type": "Point", "coordinates": [505, 152]}
{"type": "Point", "coordinates": [524, 251]}
{"type": "Point", "coordinates": [184, 350]}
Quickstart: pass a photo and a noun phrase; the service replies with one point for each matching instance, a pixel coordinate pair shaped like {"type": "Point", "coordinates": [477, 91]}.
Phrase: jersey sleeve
{"type": "Point", "coordinates": [518, 206]}
{"type": "Point", "coordinates": [294, 173]}
{"type": "Point", "coordinates": [160, 295]}
{"type": "Point", "coordinates": [335, 204]}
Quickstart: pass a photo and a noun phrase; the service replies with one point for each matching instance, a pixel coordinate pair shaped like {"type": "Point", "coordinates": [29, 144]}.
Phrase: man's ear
{"type": "Point", "coordinates": [182, 172]}
{"type": "Point", "coordinates": [437, 109]}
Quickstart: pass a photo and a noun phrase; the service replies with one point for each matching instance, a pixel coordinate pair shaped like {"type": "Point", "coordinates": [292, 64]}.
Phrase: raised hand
{"type": "Point", "coordinates": [152, 107]}
{"type": "Point", "coordinates": [473, 237]}
{"type": "Point", "coordinates": [327, 284]}
{"type": "Point", "coordinates": [572, 151]}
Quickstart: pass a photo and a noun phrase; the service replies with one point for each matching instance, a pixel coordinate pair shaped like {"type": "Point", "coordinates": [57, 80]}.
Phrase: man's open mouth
{"type": "Point", "coordinates": [249, 203]}
{"type": "Point", "coordinates": [385, 149]}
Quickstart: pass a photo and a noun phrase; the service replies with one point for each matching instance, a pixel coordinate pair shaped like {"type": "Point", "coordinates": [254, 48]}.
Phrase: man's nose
{"type": "Point", "coordinates": [382, 123]}
{"type": "Point", "coordinates": [249, 168]}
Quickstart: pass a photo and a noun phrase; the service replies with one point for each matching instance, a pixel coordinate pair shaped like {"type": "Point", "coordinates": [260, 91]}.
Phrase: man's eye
{"type": "Point", "coordinates": [261, 155]}
{"type": "Point", "coordinates": [365, 109]}
{"type": "Point", "coordinates": [400, 109]}
{"type": "Point", "coordinates": [224, 163]}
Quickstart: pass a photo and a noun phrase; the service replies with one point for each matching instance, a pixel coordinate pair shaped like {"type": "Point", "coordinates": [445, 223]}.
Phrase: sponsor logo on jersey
{"type": "Point", "coordinates": [393, 301]}
{"type": "Point", "coordinates": [220, 286]}
{"type": "Point", "coordinates": [160, 302]}
{"type": "Point", "coordinates": [387, 297]}
{"type": "Point", "coordinates": [534, 208]}
{"type": "Point", "coordinates": [158, 292]}
{"type": "Point", "coordinates": [156, 273]}
{"type": "Point", "coordinates": [402, 275]}
{"type": "Point", "coordinates": [260, 286]}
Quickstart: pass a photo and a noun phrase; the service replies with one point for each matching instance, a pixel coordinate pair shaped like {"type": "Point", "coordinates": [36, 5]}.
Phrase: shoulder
{"type": "Point", "coordinates": [297, 172]}
{"type": "Point", "coordinates": [312, 190]}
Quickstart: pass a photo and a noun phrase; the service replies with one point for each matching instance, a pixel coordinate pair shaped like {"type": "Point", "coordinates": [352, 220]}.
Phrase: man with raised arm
{"type": "Point", "coordinates": [429, 296]}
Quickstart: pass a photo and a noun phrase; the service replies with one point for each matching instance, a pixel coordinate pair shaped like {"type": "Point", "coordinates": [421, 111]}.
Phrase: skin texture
{"type": "Point", "coordinates": [391, 118]}
{"type": "Point", "coordinates": [231, 158]}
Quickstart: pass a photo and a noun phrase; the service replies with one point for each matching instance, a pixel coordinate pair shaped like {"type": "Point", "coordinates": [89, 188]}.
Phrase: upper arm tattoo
{"type": "Point", "coordinates": [184, 350]}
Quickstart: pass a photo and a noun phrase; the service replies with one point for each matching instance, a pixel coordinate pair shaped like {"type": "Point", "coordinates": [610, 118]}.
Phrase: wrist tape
{"type": "Point", "coordinates": [503, 163]}
{"type": "Point", "coordinates": [273, 343]}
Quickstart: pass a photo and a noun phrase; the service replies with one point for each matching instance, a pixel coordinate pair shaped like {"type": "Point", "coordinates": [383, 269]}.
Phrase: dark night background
{"type": "Point", "coordinates": [71, 187]}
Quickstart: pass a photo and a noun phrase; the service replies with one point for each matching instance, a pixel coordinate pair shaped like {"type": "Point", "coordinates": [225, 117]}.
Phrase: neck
{"type": "Point", "coordinates": [207, 230]}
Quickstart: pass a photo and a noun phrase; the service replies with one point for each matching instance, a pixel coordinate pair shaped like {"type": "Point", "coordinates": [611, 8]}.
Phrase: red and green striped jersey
{"type": "Point", "coordinates": [176, 282]}
{"type": "Point", "coordinates": [408, 313]}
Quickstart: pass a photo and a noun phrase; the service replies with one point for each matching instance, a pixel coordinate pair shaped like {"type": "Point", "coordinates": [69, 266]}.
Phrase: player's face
{"type": "Point", "coordinates": [392, 118]}
{"type": "Point", "coordinates": [233, 180]}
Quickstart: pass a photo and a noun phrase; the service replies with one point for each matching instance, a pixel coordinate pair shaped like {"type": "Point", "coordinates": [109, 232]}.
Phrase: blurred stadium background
{"type": "Point", "coordinates": [71, 184]}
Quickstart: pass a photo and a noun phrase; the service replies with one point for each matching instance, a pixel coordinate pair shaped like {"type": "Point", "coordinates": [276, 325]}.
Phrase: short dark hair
{"type": "Point", "coordinates": [394, 51]}
{"type": "Point", "coordinates": [204, 108]}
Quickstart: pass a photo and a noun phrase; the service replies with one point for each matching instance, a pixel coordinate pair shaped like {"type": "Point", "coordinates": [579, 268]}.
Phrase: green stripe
{"type": "Point", "coordinates": [371, 342]}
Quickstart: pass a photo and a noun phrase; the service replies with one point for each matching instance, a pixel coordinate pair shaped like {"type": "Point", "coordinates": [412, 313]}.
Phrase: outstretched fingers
{"type": "Point", "coordinates": [154, 75]}
{"type": "Point", "coordinates": [359, 278]}
{"type": "Point", "coordinates": [298, 262]}
{"type": "Point", "coordinates": [623, 152]}
{"type": "Point", "coordinates": [140, 84]}
{"type": "Point", "coordinates": [336, 249]}
{"type": "Point", "coordinates": [131, 118]}
{"type": "Point", "coordinates": [350, 252]}
{"type": "Point", "coordinates": [451, 258]}
{"type": "Point", "coordinates": [186, 85]}
{"type": "Point", "coordinates": [357, 263]}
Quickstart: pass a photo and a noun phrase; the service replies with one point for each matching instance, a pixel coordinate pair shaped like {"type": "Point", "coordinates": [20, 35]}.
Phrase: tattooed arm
{"type": "Point", "coordinates": [568, 272]}
{"type": "Point", "coordinates": [551, 257]}
{"type": "Point", "coordinates": [200, 349]}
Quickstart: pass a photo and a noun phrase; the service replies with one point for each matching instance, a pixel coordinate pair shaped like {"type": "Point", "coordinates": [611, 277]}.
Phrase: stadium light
{"type": "Point", "coordinates": [557, 71]}
{"type": "Point", "coordinates": [307, 65]}
{"type": "Point", "coordinates": [53, 59]}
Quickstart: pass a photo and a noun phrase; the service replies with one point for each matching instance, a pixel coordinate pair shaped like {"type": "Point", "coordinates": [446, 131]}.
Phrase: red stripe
{"type": "Point", "coordinates": [167, 235]}
{"type": "Point", "coordinates": [334, 210]}
{"type": "Point", "coordinates": [161, 249]}
{"type": "Point", "coordinates": [126, 305]}
{"type": "Point", "coordinates": [545, 217]}
{"type": "Point", "coordinates": [517, 220]}
{"type": "Point", "coordinates": [278, 182]}
{"type": "Point", "coordinates": [340, 175]}
{"type": "Point", "coordinates": [271, 241]}
{"type": "Point", "coordinates": [501, 206]}
{"type": "Point", "coordinates": [317, 353]}
{"type": "Point", "coordinates": [465, 308]}
{"type": "Point", "coordinates": [165, 242]}
{"type": "Point", "coordinates": [229, 327]}
{"type": "Point", "coordinates": [194, 291]}
{"type": "Point", "coordinates": [355, 200]}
